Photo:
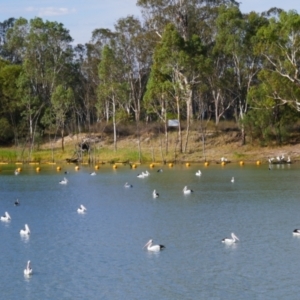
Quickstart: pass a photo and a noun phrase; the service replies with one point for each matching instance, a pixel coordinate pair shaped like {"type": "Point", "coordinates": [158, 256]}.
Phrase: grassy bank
{"type": "Point", "coordinates": [151, 147]}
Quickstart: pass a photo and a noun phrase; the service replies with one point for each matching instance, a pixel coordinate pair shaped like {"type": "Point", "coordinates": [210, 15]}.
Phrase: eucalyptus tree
{"type": "Point", "coordinates": [4, 26]}
{"type": "Point", "coordinates": [182, 63]}
{"type": "Point", "coordinates": [61, 99]}
{"type": "Point", "coordinates": [236, 40]}
{"type": "Point", "coordinates": [279, 43]}
{"type": "Point", "coordinates": [9, 108]}
{"type": "Point", "coordinates": [86, 83]}
{"type": "Point", "coordinates": [45, 52]}
{"type": "Point", "coordinates": [136, 49]}
{"type": "Point", "coordinates": [113, 88]}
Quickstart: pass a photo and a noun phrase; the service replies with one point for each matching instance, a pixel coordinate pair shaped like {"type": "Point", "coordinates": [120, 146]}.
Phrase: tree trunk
{"type": "Point", "coordinates": [114, 125]}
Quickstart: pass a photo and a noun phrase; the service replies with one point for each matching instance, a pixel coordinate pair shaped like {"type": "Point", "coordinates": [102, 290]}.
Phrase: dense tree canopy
{"type": "Point", "coordinates": [185, 59]}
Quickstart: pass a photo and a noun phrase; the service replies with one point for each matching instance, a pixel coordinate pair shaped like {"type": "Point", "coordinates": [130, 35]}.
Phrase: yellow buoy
{"type": "Point", "coordinates": [58, 168]}
{"type": "Point", "coordinates": [206, 164]}
{"type": "Point", "coordinates": [76, 168]}
{"type": "Point", "coordinates": [170, 165]}
{"type": "Point", "coordinates": [115, 166]}
{"type": "Point", "coordinates": [187, 164]}
{"type": "Point", "coordinates": [151, 165]}
{"type": "Point", "coordinates": [97, 167]}
{"type": "Point", "coordinates": [241, 163]}
{"type": "Point", "coordinates": [38, 169]}
{"type": "Point", "coordinates": [258, 162]}
{"type": "Point", "coordinates": [223, 163]}
{"type": "Point", "coordinates": [19, 169]}
{"type": "Point", "coordinates": [133, 166]}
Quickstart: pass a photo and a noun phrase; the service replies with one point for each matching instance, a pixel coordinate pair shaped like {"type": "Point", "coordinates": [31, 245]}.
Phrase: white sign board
{"type": "Point", "coordinates": [173, 123]}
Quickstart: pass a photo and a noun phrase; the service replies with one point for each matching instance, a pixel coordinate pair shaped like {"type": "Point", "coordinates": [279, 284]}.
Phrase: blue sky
{"type": "Point", "coordinates": [82, 17]}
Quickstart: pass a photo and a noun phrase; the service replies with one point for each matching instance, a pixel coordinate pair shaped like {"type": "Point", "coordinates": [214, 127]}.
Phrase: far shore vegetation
{"type": "Point", "coordinates": [229, 81]}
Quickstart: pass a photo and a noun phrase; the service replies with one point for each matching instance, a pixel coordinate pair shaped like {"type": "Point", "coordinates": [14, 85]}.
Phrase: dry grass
{"type": "Point", "coordinates": [219, 143]}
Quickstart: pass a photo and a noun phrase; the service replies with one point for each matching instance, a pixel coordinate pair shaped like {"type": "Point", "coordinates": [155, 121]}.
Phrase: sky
{"type": "Point", "coordinates": [81, 17]}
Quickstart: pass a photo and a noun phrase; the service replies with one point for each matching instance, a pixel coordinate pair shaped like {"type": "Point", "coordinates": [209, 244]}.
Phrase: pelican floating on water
{"type": "Point", "coordinates": [28, 270]}
{"type": "Point", "coordinates": [81, 209]}
{"type": "Point", "coordinates": [17, 202]}
{"type": "Point", "coordinates": [93, 174]}
{"type": "Point", "coordinates": [6, 217]}
{"type": "Point", "coordinates": [142, 175]}
{"type": "Point", "coordinates": [187, 191]}
{"type": "Point", "coordinates": [198, 173]}
{"type": "Point", "coordinates": [231, 240]}
{"type": "Point", "coordinates": [154, 248]}
{"type": "Point", "coordinates": [25, 231]}
{"type": "Point", "coordinates": [232, 179]}
{"type": "Point", "coordinates": [64, 181]}
{"type": "Point", "coordinates": [296, 232]}
{"type": "Point", "coordinates": [155, 194]}
{"type": "Point", "coordinates": [17, 172]}
{"type": "Point", "coordinates": [127, 185]}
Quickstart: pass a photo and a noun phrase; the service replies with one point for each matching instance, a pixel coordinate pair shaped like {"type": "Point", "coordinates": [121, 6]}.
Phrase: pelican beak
{"type": "Point", "coordinates": [146, 244]}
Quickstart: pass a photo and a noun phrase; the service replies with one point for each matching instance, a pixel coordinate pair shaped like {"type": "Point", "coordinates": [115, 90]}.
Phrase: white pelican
{"type": "Point", "coordinates": [187, 191]}
{"type": "Point", "coordinates": [142, 175]}
{"type": "Point", "coordinates": [17, 202]}
{"type": "Point", "coordinates": [6, 217]}
{"type": "Point", "coordinates": [155, 194]}
{"type": "Point", "coordinates": [296, 232]}
{"type": "Point", "coordinates": [198, 173]}
{"type": "Point", "coordinates": [28, 270]}
{"type": "Point", "coordinates": [155, 248]}
{"type": "Point", "coordinates": [160, 170]}
{"type": "Point", "coordinates": [93, 173]}
{"type": "Point", "coordinates": [223, 159]}
{"type": "Point", "coordinates": [81, 209]}
{"type": "Point", "coordinates": [127, 185]}
{"type": "Point", "coordinates": [25, 231]}
{"type": "Point", "coordinates": [64, 181]}
{"type": "Point", "coordinates": [232, 179]}
{"type": "Point", "coordinates": [17, 172]}
{"type": "Point", "coordinates": [231, 240]}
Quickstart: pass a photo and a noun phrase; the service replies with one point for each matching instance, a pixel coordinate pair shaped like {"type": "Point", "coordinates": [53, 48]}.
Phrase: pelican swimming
{"type": "Point", "coordinates": [17, 172]}
{"type": "Point", "coordinates": [25, 231]}
{"type": "Point", "coordinates": [6, 217]}
{"type": "Point", "coordinates": [296, 232]}
{"type": "Point", "coordinates": [232, 179]}
{"type": "Point", "coordinates": [127, 185]}
{"type": "Point", "coordinates": [141, 175]}
{"type": "Point", "coordinates": [93, 173]}
{"type": "Point", "coordinates": [155, 194]}
{"type": "Point", "coordinates": [64, 181]}
{"type": "Point", "coordinates": [28, 270]}
{"type": "Point", "coordinates": [81, 209]}
{"type": "Point", "coordinates": [154, 248]}
{"type": "Point", "coordinates": [17, 202]}
{"type": "Point", "coordinates": [231, 240]}
{"type": "Point", "coordinates": [187, 191]}
{"type": "Point", "coordinates": [198, 173]}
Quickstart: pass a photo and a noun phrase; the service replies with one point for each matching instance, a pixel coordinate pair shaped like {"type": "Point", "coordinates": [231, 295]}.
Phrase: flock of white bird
{"type": "Point", "coordinates": [149, 245]}
{"type": "Point", "coordinates": [26, 231]}
{"type": "Point", "coordinates": [154, 248]}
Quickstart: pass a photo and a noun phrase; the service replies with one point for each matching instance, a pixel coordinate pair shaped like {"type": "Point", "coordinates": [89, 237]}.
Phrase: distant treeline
{"type": "Point", "coordinates": [185, 60]}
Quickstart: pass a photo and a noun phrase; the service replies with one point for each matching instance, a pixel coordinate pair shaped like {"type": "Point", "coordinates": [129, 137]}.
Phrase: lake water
{"type": "Point", "coordinates": [100, 255]}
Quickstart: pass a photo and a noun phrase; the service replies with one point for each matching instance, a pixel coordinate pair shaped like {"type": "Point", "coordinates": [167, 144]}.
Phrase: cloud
{"type": "Point", "coordinates": [51, 11]}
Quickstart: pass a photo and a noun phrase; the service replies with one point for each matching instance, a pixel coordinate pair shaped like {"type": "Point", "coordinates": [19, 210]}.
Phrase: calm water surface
{"type": "Point", "coordinates": [99, 255]}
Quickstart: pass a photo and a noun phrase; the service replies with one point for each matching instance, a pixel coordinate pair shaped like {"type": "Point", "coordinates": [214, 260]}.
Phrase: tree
{"type": "Point", "coordinates": [61, 99]}
{"type": "Point", "coordinates": [113, 88]}
{"type": "Point", "coordinates": [279, 44]}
